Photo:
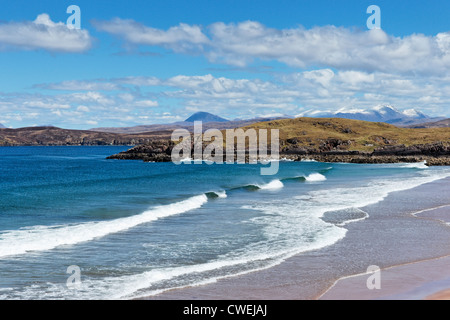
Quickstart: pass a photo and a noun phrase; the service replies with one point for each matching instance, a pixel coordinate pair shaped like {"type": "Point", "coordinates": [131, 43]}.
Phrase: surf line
{"type": "Point", "coordinates": [23, 241]}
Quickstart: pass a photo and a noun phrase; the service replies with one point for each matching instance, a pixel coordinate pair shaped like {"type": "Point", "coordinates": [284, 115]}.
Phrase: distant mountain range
{"type": "Point", "coordinates": [384, 113]}
{"type": "Point", "coordinates": [381, 113]}
{"type": "Point", "coordinates": [48, 135]}
{"type": "Point", "coordinates": [209, 121]}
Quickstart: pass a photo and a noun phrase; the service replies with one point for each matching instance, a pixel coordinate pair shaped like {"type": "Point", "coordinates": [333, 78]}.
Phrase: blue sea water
{"type": "Point", "coordinates": [135, 229]}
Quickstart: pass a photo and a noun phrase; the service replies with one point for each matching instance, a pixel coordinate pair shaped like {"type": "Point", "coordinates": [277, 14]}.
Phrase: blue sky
{"type": "Point", "coordinates": [144, 62]}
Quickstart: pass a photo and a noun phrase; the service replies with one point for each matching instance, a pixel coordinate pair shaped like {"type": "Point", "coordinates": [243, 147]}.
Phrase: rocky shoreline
{"type": "Point", "coordinates": [436, 154]}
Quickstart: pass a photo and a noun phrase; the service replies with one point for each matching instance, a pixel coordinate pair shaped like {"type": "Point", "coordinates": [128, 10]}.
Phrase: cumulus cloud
{"type": "Point", "coordinates": [284, 94]}
{"type": "Point", "coordinates": [83, 109]}
{"type": "Point", "coordinates": [183, 37]}
{"type": "Point", "coordinates": [326, 46]}
{"type": "Point", "coordinates": [74, 85]}
{"type": "Point", "coordinates": [43, 33]}
{"type": "Point", "coordinates": [74, 110]}
{"type": "Point", "coordinates": [145, 103]}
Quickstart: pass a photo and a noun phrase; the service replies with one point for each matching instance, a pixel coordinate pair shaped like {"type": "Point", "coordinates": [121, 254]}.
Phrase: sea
{"type": "Point", "coordinates": [74, 225]}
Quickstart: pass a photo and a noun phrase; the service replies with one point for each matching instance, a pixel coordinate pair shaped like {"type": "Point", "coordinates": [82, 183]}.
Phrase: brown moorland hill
{"type": "Point", "coordinates": [350, 135]}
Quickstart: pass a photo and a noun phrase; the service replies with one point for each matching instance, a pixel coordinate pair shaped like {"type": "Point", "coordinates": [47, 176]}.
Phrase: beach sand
{"type": "Point", "coordinates": [442, 295]}
{"type": "Point", "coordinates": [405, 235]}
{"type": "Point", "coordinates": [428, 279]}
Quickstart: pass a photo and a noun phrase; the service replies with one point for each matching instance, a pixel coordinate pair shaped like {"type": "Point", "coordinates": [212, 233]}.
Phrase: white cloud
{"type": "Point", "coordinates": [322, 76]}
{"type": "Point", "coordinates": [146, 103]}
{"type": "Point", "coordinates": [74, 85]}
{"type": "Point", "coordinates": [83, 109]}
{"type": "Point", "coordinates": [57, 112]}
{"type": "Point", "coordinates": [90, 96]}
{"type": "Point", "coordinates": [45, 34]}
{"type": "Point", "coordinates": [356, 78]}
{"type": "Point", "coordinates": [175, 98]}
{"type": "Point", "coordinates": [179, 38]}
{"type": "Point", "coordinates": [327, 46]}
{"type": "Point", "coordinates": [138, 81]}
{"type": "Point", "coordinates": [45, 104]}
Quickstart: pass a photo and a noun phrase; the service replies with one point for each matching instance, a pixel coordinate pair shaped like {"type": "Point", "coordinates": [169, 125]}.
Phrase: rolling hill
{"type": "Point", "coordinates": [436, 124]}
{"type": "Point", "coordinates": [351, 135]}
{"type": "Point", "coordinates": [53, 136]}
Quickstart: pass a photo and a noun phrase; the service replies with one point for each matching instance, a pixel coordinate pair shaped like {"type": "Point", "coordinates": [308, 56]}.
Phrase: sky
{"type": "Point", "coordinates": [146, 62]}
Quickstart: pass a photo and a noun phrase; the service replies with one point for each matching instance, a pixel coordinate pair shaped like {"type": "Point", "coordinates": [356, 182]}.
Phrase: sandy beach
{"type": "Point", "coordinates": [441, 295]}
{"type": "Point", "coordinates": [406, 235]}
{"type": "Point", "coordinates": [429, 279]}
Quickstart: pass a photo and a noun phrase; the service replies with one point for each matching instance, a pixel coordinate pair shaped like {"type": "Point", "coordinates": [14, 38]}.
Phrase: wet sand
{"type": "Point", "coordinates": [442, 295]}
{"type": "Point", "coordinates": [429, 279]}
{"type": "Point", "coordinates": [406, 227]}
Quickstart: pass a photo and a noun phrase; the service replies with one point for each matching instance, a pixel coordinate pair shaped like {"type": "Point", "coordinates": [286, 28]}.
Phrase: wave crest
{"type": "Point", "coordinates": [41, 238]}
{"type": "Point", "coordinates": [315, 177]}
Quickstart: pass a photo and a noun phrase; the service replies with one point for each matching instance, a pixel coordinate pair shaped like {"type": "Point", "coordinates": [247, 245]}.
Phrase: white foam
{"type": "Point", "coordinates": [315, 177]}
{"type": "Point", "coordinates": [221, 194]}
{"type": "Point", "coordinates": [273, 185]}
{"type": "Point", "coordinates": [366, 215]}
{"type": "Point", "coordinates": [40, 238]}
{"type": "Point", "coordinates": [136, 285]}
{"type": "Point", "coordinates": [374, 192]}
{"type": "Point", "coordinates": [415, 165]}
{"type": "Point", "coordinates": [429, 209]}
{"type": "Point", "coordinates": [269, 160]}
{"type": "Point", "coordinates": [186, 160]}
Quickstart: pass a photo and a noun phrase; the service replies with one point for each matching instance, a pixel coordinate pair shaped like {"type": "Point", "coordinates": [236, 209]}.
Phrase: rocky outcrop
{"type": "Point", "coordinates": [369, 158]}
{"type": "Point", "coordinates": [155, 151]}
{"type": "Point", "coordinates": [435, 149]}
{"type": "Point", "coordinates": [437, 154]}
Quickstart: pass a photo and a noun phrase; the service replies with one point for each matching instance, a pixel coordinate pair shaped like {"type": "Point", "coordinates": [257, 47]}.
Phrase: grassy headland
{"type": "Point", "coordinates": [335, 140]}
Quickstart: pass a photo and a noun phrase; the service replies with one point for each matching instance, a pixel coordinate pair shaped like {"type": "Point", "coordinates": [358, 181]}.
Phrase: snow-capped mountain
{"type": "Point", "coordinates": [381, 113]}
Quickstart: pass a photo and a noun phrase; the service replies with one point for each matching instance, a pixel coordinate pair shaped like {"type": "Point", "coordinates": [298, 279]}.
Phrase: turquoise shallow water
{"type": "Point", "coordinates": [136, 229]}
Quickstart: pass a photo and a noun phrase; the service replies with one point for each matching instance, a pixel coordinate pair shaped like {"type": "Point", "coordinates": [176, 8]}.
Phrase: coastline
{"type": "Point", "coordinates": [392, 238]}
